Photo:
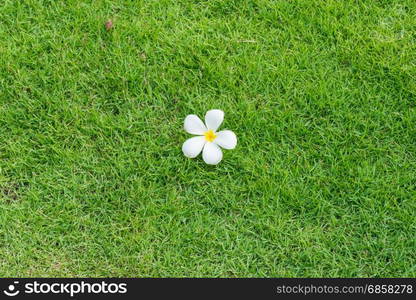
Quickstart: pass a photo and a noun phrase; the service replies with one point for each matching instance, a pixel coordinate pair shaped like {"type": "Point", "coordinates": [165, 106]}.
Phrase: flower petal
{"type": "Point", "coordinates": [214, 118]}
{"type": "Point", "coordinates": [212, 153]}
{"type": "Point", "coordinates": [194, 125]}
{"type": "Point", "coordinates": [226, 139]}
{"type": "Point", "coordinates": [193, 146]}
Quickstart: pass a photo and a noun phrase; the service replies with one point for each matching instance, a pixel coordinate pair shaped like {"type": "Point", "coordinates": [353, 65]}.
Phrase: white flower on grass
{"type": "Point", "coordinates": [208, 140]}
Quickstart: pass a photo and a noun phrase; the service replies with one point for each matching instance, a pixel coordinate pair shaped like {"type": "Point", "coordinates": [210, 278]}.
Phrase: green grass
{"type": "Point", "coordinates": [322, 97]}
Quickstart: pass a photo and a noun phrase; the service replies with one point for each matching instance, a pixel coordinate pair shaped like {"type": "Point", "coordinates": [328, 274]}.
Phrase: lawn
{"type": "Point", "coordinates": [321, 95]}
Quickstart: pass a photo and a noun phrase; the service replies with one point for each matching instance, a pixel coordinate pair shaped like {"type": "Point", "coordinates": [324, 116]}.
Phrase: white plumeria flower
{"type": "Point", "coordinates": [208, 138]}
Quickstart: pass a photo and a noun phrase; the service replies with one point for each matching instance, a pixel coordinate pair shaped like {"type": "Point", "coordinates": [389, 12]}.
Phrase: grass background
{"type": "Point", "coordinates": [321, 95]}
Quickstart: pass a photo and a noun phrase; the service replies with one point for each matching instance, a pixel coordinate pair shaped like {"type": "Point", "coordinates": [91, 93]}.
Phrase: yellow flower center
{"type": "Point", "coordinates": [210, 135]}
